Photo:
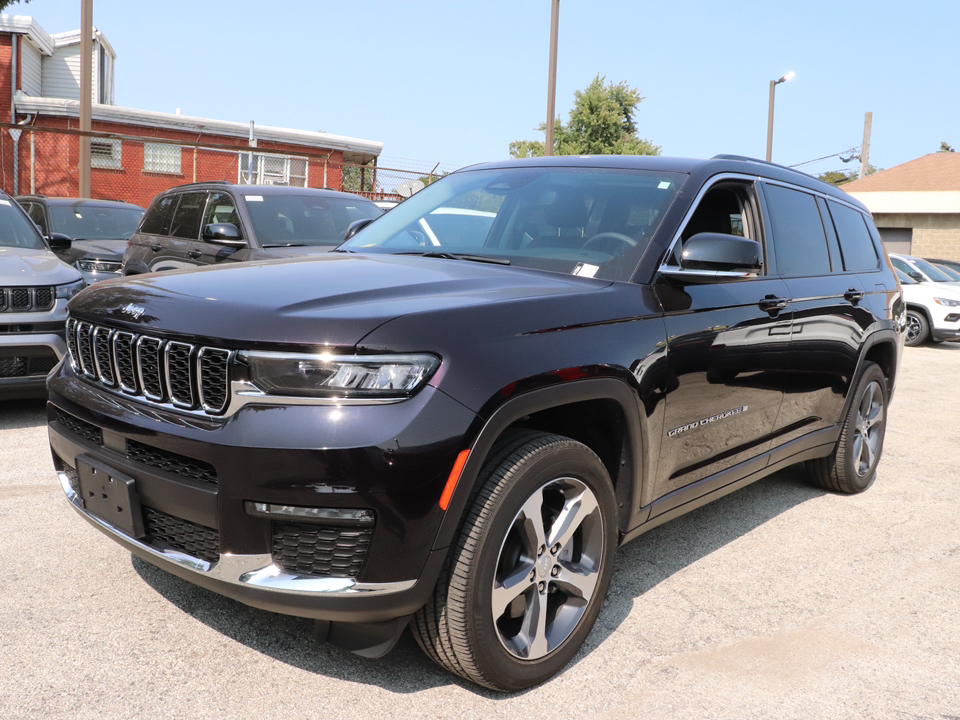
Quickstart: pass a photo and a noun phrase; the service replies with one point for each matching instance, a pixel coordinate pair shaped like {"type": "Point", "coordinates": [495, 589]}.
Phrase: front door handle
{"type": "Point", "coordinates": [156, 248]}
{"type": "Point", "coordinates": [194, 254]}
{"type": "Point", "coordinates": [773, 304]}
{"type": "Point", "coordinates": [853, 295]}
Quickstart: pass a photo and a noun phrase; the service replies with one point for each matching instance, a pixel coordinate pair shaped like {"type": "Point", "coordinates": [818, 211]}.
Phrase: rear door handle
{"type": "Point", "coordinates": [772, 304]}
{"type": "Point", "coordinates": [194, 254]}
{"type": "Point", "coordinates": [853, 295]}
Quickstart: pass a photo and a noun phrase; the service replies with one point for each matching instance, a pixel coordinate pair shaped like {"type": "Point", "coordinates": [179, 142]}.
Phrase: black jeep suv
{"type": "Point", "coordinates": [454, 432]}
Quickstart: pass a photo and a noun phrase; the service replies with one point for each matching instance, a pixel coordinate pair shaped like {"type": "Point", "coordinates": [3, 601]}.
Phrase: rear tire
{"type": "Point", "coordinates": [527, 578]}
{"type": "Point", "coordinates": [852, 466]}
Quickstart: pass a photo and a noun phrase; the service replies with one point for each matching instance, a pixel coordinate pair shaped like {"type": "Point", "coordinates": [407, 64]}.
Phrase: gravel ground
{"type": "Point", "coordinates": [779, 601]}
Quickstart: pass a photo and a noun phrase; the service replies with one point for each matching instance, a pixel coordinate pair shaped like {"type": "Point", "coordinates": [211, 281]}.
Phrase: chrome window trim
{"type": "Point", "coordinates": [190, 374]}
{"type": "Point", "coordinates": [117, 335]}
{"type": "Point", "coordinates": [97, 330]}
{"type": "Point", "coordinates": [139, 366]}
{"type": "Point", "coordinates": [256, 571]}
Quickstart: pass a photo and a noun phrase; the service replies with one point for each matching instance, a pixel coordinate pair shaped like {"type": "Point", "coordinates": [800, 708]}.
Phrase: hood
{"type": "Point", "coordinates": [28, 267]}
{"type": "Point", "coordinates": [296, 252]}
{"type": "Point", "coordinates": [926, 291]}
{"type": "Point", "coordinates": [96, 249]}
{"type": "Point", "coordinates": [333, 300]}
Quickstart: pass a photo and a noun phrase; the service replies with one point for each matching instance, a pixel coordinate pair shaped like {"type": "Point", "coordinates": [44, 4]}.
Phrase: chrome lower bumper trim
{"type": "Point", "coordinates": [256, 571]}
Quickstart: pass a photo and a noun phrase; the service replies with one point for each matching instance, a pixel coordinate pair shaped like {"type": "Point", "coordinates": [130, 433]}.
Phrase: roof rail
{"type": "Point", "coordinates": [744, 158]}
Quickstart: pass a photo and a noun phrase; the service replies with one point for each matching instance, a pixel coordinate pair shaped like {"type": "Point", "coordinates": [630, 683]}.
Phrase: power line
{"type": "Point", "coordinates": [853, 153]}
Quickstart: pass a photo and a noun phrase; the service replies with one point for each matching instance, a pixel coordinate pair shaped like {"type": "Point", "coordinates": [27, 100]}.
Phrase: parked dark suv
{"type": "Point", "coordinates": [455, 432]}
{"type": "Point", "coordinates": [213, 223]}
{"type": "Point", "coordinates": [97, 231]}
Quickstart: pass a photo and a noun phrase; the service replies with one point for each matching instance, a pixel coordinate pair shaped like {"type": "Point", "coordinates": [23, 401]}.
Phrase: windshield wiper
{"type": "Point", "coordinates": [460, 256]}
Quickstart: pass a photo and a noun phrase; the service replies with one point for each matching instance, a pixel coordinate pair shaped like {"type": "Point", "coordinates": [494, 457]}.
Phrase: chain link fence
{"type": "Point", "coordinates": [45, 161]}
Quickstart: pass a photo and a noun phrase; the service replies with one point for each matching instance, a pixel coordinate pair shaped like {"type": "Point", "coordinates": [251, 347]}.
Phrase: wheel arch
{"type": "Point", "coordinates": [881, 348]}
{"type": "Point", "coordinates": [602, 413]}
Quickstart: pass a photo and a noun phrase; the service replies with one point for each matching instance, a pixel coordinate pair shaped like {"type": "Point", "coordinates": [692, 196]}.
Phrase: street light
{"type": "Point", "coordinates": [773, 87]}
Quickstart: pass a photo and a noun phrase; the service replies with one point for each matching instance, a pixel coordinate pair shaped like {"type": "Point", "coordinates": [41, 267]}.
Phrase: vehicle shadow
{"type": "Point", "coordinates": [641, 565]}
{"type": "Point", "coordinates": [23, 413]}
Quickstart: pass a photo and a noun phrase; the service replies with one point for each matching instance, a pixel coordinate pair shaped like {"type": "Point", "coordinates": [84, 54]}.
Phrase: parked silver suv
{"type": "Point", "coordinates": [34, 288]}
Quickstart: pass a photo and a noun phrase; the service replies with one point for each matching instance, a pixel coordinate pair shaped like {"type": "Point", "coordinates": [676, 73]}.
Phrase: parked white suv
{"type": "Point", "coordinates": [933, 310]}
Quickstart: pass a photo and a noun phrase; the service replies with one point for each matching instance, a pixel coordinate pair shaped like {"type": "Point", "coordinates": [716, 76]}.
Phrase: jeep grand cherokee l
{"type": "Point", "coordinates": [211, 223]}
{"type": "Point", "coordinates": [456, 437]}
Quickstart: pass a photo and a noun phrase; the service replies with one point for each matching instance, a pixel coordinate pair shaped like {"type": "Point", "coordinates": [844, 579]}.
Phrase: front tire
{"type": "Point", "coordinates": [852, 466]}
{"type": "Point", "coordinates": [527, 579]}
{"type": "Point", "coordinates": [918, 329]}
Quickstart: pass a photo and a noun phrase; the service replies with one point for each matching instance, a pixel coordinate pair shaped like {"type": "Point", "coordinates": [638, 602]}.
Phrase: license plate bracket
{"type": "Point", "coordinates": [110, 495]}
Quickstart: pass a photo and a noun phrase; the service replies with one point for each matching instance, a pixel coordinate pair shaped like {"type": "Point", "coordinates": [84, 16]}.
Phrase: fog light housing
{"type": "Point", "coordinates": [334, 516]}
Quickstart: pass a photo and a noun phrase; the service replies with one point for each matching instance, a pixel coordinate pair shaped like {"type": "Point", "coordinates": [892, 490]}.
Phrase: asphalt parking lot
{"type": "Point", "coordinates": [779, 601]}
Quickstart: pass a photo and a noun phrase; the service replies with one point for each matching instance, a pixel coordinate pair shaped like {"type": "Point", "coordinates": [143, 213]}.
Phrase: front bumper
{"type": "Point", "coordinates": [370, 457]}
{"type": "Point", "coordinates": [31, 344]}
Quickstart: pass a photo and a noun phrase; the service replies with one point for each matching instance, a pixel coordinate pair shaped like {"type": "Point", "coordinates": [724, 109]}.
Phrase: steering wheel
{"type": "Point", "coordinates": [612, 243]}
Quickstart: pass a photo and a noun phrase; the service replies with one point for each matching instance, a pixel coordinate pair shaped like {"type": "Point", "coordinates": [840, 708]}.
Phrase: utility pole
{"type": "Point", "coordinates": [865, 149]}
{"type": "Point", "coordinates": [552, 80]}
{"type": "Point", "coordinates": [86, 92]}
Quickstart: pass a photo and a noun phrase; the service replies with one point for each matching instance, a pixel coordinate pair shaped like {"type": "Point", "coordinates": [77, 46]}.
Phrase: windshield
{"type": "Point", "coordinates": [16, 229]}
{"type": "Point", "coordinates": [95, 222]}
{"type": "Point", "coordinates": [931, 271]}
{"type": "Point", "coordinates": [949, 272]}
{"type": "Point", "coordinates": [281, 220]}
{"type": "Point", "coordinates": [582, 221]}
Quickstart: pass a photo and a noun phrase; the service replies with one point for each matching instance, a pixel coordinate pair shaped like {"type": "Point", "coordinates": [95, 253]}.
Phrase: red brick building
{"type": "Point", "coordinates": [137, 153]}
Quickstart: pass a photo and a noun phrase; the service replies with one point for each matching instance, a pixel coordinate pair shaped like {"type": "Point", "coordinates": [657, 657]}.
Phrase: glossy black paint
{"type": "Point", "coordinates": [684, 390]}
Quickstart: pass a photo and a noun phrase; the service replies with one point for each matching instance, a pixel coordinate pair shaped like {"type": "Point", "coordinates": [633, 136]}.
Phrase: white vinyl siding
{"type": "Point", "coordinates": [60, 74]}
{"type": "Point", "coordinates": [30, 72]}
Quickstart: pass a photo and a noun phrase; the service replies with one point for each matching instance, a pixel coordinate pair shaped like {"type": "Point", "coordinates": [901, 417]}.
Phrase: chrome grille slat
{"type": "Point", "coordinates": [177, 367]}
{"type": "Point", "coordinates": [150, 367]}
{"type": "Point", "coordinates": [171, 373]}
{"type": "Point", "coordinates": [101, 355]}
{"type": "Point", "coordinates": [85, 348]}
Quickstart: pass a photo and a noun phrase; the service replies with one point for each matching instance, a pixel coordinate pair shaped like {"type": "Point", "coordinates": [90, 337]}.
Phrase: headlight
{"type": "Point", "coordinates": [70, 289]}
{"type": "Point", "coordinates": [99, 265]}
{"type": "Point", "coordinates": [329, 375]}
{"type": "Point", "coordinates": [947, 302]}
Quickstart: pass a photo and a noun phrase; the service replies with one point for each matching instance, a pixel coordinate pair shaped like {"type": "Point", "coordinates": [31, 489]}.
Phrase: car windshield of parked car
{"type": "Point", "coordinates": [591, 222]}
{"type": "Point", "coordinates": [16, 229]}
{"type": "Point", "coordinates": [949, 272]}
{"type": "Point", "coordinates": [290, 220]}
{"type": "Point", "coordinates": [95, 222]}
{"type": "Point", "coordinates": [931, 270]}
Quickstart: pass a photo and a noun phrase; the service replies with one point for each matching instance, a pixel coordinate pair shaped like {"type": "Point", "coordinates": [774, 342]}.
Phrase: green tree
{"type": "Point", "coordinates": [945, 147]}
{"type": "Point", "coordinates": [5, 3]}
{"type": "Point", "coordinates": [841, 177]}
{"type": "Point", "coordinates": [601, 123]}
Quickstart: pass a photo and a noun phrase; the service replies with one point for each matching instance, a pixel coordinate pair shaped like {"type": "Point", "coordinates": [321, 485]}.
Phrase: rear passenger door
{"type": "Point", "coordinates": [828, 320]}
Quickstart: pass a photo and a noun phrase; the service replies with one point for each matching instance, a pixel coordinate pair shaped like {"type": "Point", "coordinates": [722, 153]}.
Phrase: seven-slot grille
{"type": "Point", "coordinates": [26, 299]}
{"type": "Point", "coordinates": [163, 371]}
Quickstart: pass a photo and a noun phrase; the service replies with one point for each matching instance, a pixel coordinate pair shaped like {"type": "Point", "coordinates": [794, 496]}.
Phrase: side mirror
{"type": "Point", "coordinates": [917, 276]}
{"type": "Point", "coordinates": [59, 241]}
{"type": "Point", "coordinates": [356, 226]}
{"type": "Point", "coordinates": [222, 234]}
{"type": "Point", "coordinates": [709, 257]}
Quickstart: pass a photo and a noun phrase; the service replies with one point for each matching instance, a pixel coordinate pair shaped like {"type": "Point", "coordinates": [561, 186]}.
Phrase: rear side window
{"type": "Point", "coordinates": [799, 240]}
{"type": "Point", "coordinates": [157, 219]}
{"type": "Point", "coordinates": [856, 245]}
{"type": "Point", "coordinates": [187, 217]}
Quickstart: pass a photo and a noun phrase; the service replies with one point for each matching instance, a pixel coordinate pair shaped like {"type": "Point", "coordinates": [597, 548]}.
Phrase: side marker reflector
{"type": "Point", "coordinates": [453, 479]}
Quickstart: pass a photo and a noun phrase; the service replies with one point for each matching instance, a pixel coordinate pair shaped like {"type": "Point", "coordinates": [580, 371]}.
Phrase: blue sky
{"type": "Point", "coordinates": [455, 82]}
